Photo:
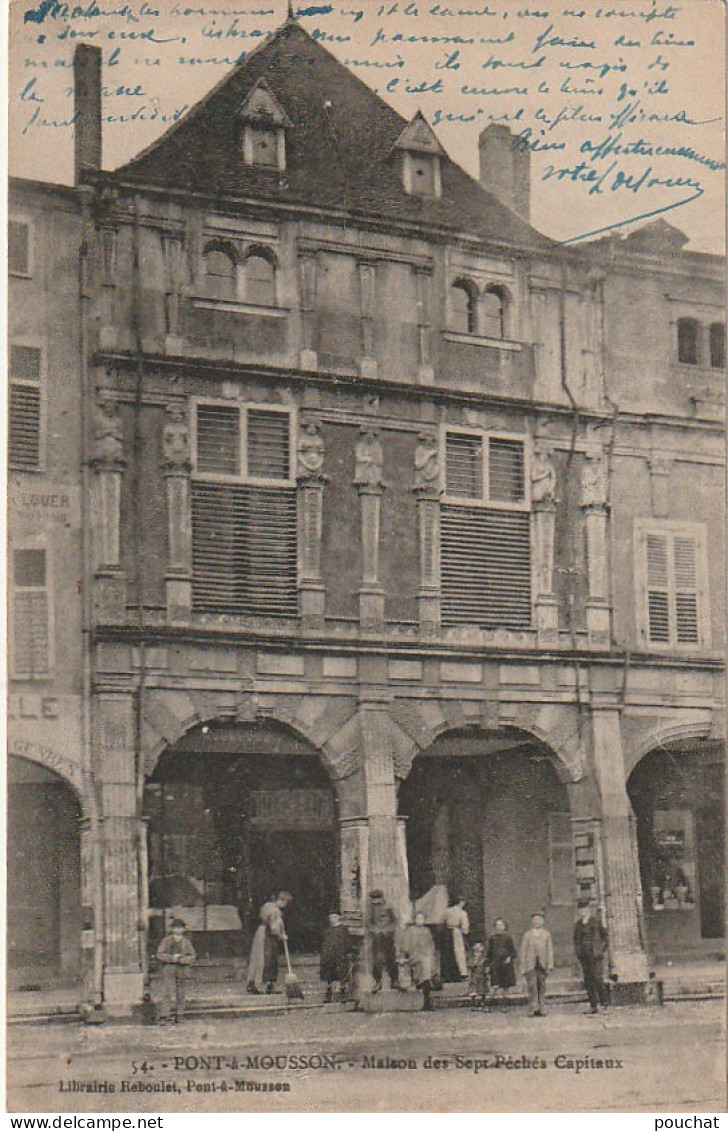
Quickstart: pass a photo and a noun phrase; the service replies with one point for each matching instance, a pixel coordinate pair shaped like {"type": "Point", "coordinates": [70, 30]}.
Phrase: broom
{"type": "Point", "coordinates": [293, 990]}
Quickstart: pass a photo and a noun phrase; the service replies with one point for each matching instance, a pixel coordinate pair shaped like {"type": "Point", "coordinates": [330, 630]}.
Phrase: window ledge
{"type": "Point", "coordinates": [481, 340]}
{"type": "Point", "coordinates": [233, 307]}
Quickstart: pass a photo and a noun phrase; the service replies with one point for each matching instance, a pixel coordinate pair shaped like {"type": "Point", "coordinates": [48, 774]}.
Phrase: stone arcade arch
{"type": "Point", "coordinates": [676, 790]}
{"type": "Point", "coordinates": [235, 811]}
{"type": "Point", "coordinates": [488, 814]}
{"type": "Point", "coordinates": [44, 877]}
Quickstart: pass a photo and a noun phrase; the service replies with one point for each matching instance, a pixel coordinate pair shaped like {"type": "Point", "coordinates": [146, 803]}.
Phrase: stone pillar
{"type": "Point", "coordinates": [176, 469]}
{"type": "Point", "coordinates": [107, 312]}
{"type": "Point", "coordinates": [173, 261]}
{"type": "Point", "coordinates": [427, 492]}
{"type": "Point", "coordinates": [91, 917]}
{"type": "Point", "coordinates": [425, 371]}
{"type": "Point", "coordinates": [311, 480]}
{"type": "Point", "coordinates": [308, 272]}
{"type": "Point", "coordinates": [620, 885]}
{"type": "Point", "coordinates": [543, 501]}
{"type": "Point", "coordinates": [113, 750]}
{"type": "Point", "coordinates": [660, 485]}
{"type": "Point", "coordinates": [108, 463]}
{"type": "Point", "coordinates": [368, 479]}
{"type": "Point", "coordinates": [367, 291]}
{"type": "Point", "coordinates": [354, 833]}
{"type": "Point", "coordinates": [596, 511]}
{"type": "Point", "coordinates": [386, 867]}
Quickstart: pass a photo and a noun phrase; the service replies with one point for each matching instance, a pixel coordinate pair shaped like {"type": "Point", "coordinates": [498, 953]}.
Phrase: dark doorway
{"type": "Point", "coordinates": [248, 813]}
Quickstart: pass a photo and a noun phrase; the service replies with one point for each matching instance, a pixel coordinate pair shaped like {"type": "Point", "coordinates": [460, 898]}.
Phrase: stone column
{"type": "Point", "coordinates": [173, 261]}
{"type": "Point", "coordinates": [91, 917]}
{"type": "Point", "coordinates": [113, 750]}
{"type": "Point", "coordinates": [107, 312]}
{"type": "Point", "coordinates": [308, 272]}
{"type": "Point", "coordinates": [427, 492]}
{"type": "Point", "coordinates": [425, 371]}
{"type": "Point", "coordinates": [354, 832]}
{"type": "Point", "coordinates": [176, 469]}
{"type": "Point", "coordinates": [543, 500]}
{"type": "Point", "coordinates": [596, 511]}
{"type": "Point", "coordinates": [620, 884]}
{"type": "Point", "coordinates": [108, 463]}
{"type": "Point", "coordinates": [368, 479]}
{"type": "Point", "coordinates": [311, 480]}
{"type": "Point", "coordinates": [367, 291]}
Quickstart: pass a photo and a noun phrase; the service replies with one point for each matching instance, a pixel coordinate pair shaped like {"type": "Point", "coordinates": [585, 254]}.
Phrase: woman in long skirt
{"type": "Point", "coordinates": [500, 958]}
{"type": "Point", "coordinates": [263, 961]}
{"type": "Point", "coordinates": [454, 957]}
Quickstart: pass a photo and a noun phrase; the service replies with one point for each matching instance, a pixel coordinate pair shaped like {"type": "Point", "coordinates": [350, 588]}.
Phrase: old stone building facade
{"type": "Point", "coordinates": [392, 547]}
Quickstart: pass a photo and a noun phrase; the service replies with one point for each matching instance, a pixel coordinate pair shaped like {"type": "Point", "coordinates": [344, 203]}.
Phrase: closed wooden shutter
{"type": "Point", "coordinates": [486, 567]}
{"type": "Point", "coordinates": [244, 550]}
{"type": "Point", "coordinates": [658, 588]}
{"type": "Point", "coordinates": [686, 594]}
{"type": "Point", "coordinates": [31, 651]}
{"type": "Point", "coordinates": [506, 482]}
{"type": "Point", "coordinates": [24, 408]}
{"type": "Point", "coordinates": [268, 444]}
{"type": "Point", "coordinates": [464, 466]}
{"type": "Point", "coordinates": [218, 439]}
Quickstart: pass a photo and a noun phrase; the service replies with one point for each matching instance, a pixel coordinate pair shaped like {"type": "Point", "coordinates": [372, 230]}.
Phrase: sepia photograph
{"type": "Point", "coordinates": [365, 557]}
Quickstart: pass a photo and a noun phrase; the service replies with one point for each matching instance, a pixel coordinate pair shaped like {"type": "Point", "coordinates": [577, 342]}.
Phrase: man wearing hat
{"type": "Point", "coordinates": [381, 925]}
{"type": "Point", "coordinates": [590, 944]}
{"type": "Point", "coordinates": [176, 954]}
{"type": "Point", "coordinates": [537, 960]}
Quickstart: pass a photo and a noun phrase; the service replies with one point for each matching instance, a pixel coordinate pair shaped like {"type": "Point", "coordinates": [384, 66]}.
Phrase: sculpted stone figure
{"type": "Point", "coordinates": [594, 481]}
{"type": "Point", "coordinates": [543, 477]}
{"type": "Point", "coordinates": [108, 441]}
{"type": "Point", "coordinates": [369, 459]}
{"type": "Point", "coordinates": [427, 462]}
{"type": "Point", "coordinates": [176, 439]}
{"type": "Point", "coordinates": [310, 451]}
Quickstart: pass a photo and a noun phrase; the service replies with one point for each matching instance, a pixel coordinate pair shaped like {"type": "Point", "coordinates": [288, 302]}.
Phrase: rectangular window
{"type": "Point", "coordinates": [18, 247]}
{"type": "Point", "coordinates": [485, 532]}
{"type": "Point", "coordinates": [244, 512]}
{"type": "Point", "coordinates": [562, 875]}
{"type": "Point", "coordinates": [24, 408]}
{"type": "Point", "coordinates": [672, 565]}
{"type": "Point", "coordinates": [31, 629]}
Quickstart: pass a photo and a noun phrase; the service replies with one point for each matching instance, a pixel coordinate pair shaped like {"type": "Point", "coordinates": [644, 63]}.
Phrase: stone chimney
{"type": "Point", "coordinates": [505, 168]}
{"type": "Point", "coordinates": [87, 106]}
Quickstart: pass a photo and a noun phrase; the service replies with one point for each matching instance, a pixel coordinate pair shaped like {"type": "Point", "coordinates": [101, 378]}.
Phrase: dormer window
{"type": "Point", "coordinates": [421, 154]}
{"type": "Point", "coordinates": [220, 271]}
{"type": "Point", "coordinates": [494, 312]}
{"type": "Point", "coordinates": [260, 277]}
{"type": "Point", "coordinates": [264, 123]}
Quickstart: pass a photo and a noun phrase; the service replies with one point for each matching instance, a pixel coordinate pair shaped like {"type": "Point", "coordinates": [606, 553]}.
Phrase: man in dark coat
{"type": "Point", "coordinates": [381, 926]}
{"type": "Point", "coordinates": [590, 944]}
{"type": "Point", "coordinates": [337, 952]}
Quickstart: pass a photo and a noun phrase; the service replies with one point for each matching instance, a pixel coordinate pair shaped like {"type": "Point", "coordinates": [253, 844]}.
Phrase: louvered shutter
{"type": "Point", "coordinates": [31, 652]}
{"type": "Point", "coordinates": [658, 589]}
{"type": "Point", "coordinates": [268, 444]}
{"type": "Point", "coordinates": [686, 591]}
{"type": "Point", "coordinates": [244, 550]}
{"type": "Point", "coordinates": [24, 408]}
{"type": "Point", "coordinates": [218, 439]}
{"type": "Point", "coordinates": [486, 567]}
{"type": "Point", "coordinates": [463, 466]}
{"type": "Point", "coordinates": [505, 471]}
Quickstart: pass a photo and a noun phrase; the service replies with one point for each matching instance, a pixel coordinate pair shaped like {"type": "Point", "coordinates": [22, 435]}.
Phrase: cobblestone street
{"type": "Point", "coordinates": [666, 1059]}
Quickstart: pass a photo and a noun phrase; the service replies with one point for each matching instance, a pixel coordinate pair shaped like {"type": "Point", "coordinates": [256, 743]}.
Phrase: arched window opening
{"type": "Point", "coordinates": [687, 341]}
{"type": "Point", "coordinates": [260, 279]}
{"type": "Point", "coordinates": [219, 273]}
{"type": "Point", "coordinates": [717, 345]}
{"type": "Point", "coordinates": [464, 307]}
{"type": "Point", "coordinates": [494, 312]}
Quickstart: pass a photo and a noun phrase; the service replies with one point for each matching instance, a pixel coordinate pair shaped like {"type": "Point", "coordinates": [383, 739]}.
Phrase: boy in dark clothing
{"type": "Point", "coordinates": [176, 954]}
{"type": "Point", "coordinates": [337, 952]}
{"type": "Point", "coordinates": [590, 944]}
{"type": "Point", "coordinates": [381, 926]}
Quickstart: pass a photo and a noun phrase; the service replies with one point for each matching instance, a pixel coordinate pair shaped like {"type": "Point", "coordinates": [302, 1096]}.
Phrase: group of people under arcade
{"type": "Point", "coordinates": [416, 955]}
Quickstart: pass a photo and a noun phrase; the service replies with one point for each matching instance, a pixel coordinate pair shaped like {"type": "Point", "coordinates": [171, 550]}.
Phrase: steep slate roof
{"type": "Point", "coordinates": [336, 157]}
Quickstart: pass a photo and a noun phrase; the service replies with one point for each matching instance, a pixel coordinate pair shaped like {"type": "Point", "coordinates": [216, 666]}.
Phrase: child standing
{"type": "Point", "coordinates": [336, 955]}
{"type": "Point", "coordinates": [477, 968]}
{"type": "Point", "coordinates": [419, 947]}
{"type": "Point", "coordinates": [501, 958]}
{"type": "Point", "coordinates": [176, 954]}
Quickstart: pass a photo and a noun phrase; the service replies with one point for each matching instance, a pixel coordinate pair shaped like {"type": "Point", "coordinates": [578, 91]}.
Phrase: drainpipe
{"type": "Point", "coordinates": [90, 795]}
